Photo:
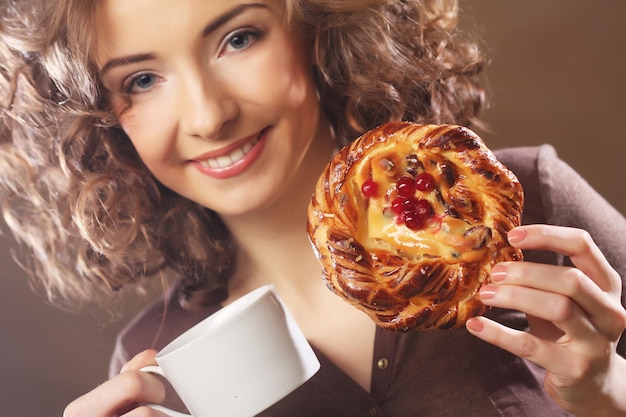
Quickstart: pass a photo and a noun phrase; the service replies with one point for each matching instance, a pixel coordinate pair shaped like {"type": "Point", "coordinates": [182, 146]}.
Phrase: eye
{"type": "Point", "coordinates": [140, 83]}
{"type": "Point", "coordinates": [240, 40]}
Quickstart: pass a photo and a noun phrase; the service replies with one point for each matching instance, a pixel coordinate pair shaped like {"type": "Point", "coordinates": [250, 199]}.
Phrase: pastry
{"type": "Point", "coordinates": [408, 220]}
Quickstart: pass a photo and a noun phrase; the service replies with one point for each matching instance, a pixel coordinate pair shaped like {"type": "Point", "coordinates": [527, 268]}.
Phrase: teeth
{"type": "Point", "coordinates": [225, 161]}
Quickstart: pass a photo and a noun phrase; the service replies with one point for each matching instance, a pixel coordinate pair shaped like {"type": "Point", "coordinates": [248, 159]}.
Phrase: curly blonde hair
{"type": "Point", "coordinates": [92, 217]}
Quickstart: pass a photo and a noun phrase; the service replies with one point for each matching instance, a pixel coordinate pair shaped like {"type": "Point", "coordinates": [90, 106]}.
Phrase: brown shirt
{"type": "Point", "coordinates": [436, 373]}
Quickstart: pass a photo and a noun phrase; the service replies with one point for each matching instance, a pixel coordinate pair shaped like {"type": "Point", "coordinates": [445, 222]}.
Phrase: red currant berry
{"type": "Point", "coordinates": [424, 182]}
{"type": "Point", "coordinates": [423, 209]}
{"type": "Point", "coordinates": [369, 188]}
{"type": "Point", "coordinates": [414, 222]}
{"type": "Point", "coordinates": [405, 186]}
{"type": "Point", "coordinates": [409, 205]}
{"type": "Point", "coordinates": [397, 205]}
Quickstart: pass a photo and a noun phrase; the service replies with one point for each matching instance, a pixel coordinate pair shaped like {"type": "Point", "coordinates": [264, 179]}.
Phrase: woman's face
{"type": "Point", "coordinates": [217, 97]}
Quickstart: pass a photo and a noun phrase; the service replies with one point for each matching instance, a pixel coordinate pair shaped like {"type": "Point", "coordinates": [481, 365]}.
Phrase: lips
{"type": "Point", "coordinates": [233, 157]}
{"type": "Point", "coordinates": [231, 160]}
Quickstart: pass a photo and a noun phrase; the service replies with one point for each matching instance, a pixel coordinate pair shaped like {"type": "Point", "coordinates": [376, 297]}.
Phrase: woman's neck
{"type": "Point", "coordinates": [273, 242]}
{"type": "Point", "coordinates": [277, 251]}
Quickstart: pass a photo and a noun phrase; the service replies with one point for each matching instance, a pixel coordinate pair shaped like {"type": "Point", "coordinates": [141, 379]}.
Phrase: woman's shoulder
{"type": "Point", "coordinates": [554, 193]}
{"type": "Point", "coordinates": [525, 161]}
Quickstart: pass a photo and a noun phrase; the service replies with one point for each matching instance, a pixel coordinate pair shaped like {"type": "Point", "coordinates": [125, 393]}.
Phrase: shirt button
{"type": "Point", "coordinates": [383, 363]}
{"type": "Point", "coordinates": [373, 411]}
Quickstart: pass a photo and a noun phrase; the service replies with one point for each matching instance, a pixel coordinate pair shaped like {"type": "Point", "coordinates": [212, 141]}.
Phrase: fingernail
{"type": "Point", "coordinates": [516, 235]}
{"type": "Point", "coordinates": [487, 292]}
{"type": "Point", "coordinates": [498, 273]}
{"type": "Point", "coordinates": [475, 325]}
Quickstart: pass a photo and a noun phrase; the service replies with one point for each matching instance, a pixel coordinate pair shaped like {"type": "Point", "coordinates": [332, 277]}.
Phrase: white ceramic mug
{"type": "Point", "coordinates": [238, 361]}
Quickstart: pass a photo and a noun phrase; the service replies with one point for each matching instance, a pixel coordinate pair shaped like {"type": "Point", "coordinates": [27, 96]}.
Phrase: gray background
{"type": "Point", "coordinates": [557, 76]}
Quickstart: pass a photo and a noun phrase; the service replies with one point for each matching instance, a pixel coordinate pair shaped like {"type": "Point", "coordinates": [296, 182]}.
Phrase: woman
{"type": "Point", "coordinates": [193, 152]}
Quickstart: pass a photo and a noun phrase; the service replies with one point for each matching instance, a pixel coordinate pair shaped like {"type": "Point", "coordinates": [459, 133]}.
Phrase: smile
{"type": "Point", "coordinates": [224, 161]}
{"type": "Point", "coordinates": [234, 159]}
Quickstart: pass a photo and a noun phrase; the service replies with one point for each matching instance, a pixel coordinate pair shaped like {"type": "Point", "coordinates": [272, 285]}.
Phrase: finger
{"type": "Point", "coordinates": [144, 411]}
{"type": "Point", "coordinates": [145, 358]}
{"type": "Point", "coordinates": [118, 394]}
{"type": "Point", "coordinates": [525, 345]}
{"type": "Point", "coordinates": [605, 312]}
{"type": "Point", "coordinates": [555, 308]}
{"type": "Point", "coordinates": [575, 243]}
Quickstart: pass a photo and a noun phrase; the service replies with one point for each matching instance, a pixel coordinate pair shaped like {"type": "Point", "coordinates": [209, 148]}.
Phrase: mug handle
{"type": "Point", "coordinates": [157, 370]}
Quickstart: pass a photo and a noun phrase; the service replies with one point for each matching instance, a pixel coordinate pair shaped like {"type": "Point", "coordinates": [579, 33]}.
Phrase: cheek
{"type": "Point", "coordinates": [150, 128]}
{"type": "Point", "coordinates": [277, 78]}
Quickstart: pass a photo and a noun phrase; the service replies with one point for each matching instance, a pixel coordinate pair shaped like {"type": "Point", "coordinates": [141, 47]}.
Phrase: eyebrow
{"type": "Point", "coordinates": [208, 29]}
{"type": "Point", "coordinates": [221, 20]}
{"type": "Point", "coordinates": [125, 60]}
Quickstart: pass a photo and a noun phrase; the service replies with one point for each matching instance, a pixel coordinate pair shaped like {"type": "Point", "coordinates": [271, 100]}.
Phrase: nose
{"type": "Point", "coordinates": [205, 106]}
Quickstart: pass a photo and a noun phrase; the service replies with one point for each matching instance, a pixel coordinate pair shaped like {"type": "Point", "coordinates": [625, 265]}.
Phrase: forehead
{"type": "Point", "coordinates": [109, 11]}
{"type": "Point", "coordinates": [124, 26]}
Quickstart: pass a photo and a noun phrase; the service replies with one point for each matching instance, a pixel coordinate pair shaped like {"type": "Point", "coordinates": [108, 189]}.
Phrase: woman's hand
{"type": "Point", "coordinates": [575, 316]}
{"type": "Point", "coordinates": [121, 395]}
